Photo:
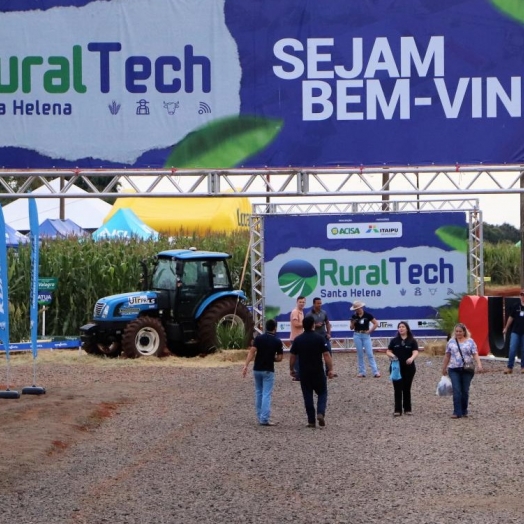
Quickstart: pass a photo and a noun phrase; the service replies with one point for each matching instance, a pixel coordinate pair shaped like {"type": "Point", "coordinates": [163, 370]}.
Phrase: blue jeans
{"type": "Point", "coordinates": [296, 368]}
{"type": "Point", "coordinates": [318, 385]}
{"type": "Point", "coordinates": [264, 381]}
{"type": "Point", "coordinates": [460, 381]}
{"type": "Point", "coordinates": [363, 343]}
{"type": "Point", "coordinates": [328, 345]}
{"type": "Point", "coordinates": [515, 342]}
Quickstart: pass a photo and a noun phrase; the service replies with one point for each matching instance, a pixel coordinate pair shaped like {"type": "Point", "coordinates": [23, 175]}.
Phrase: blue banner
{"type": "Point", "coordinates": [257, 83]}
{"type": "Point", "coordinates": [35, 249]}
{"type": "Point", "coordinates": [403, 266]}
{"type": "Point", "coordinates": [4, 288]}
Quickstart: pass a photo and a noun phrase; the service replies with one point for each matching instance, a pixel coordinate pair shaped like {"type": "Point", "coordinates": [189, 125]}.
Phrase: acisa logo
{"type": "Point", "coordinates": [297, 277]}
{"type": "Point", "coordinates": [345, 231]}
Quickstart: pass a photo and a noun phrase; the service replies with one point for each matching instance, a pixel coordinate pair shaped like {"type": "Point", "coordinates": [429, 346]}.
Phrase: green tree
{"type": "Point", "coordinates": [504, 233]}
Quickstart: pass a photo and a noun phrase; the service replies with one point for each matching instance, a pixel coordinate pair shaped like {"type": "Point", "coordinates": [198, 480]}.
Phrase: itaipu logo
{"type": "Point", "coordinates": [372, 228]}
{"type": "Point", "coordinates": [297, 277]}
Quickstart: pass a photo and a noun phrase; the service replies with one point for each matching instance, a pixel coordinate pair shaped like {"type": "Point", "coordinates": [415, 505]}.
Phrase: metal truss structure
{"type": "Point", "coordinates": [260, 211]}
{"type": "Point", "coordinates": [341, 183]}
{"type": "Point", "coordinates": [333, 190]}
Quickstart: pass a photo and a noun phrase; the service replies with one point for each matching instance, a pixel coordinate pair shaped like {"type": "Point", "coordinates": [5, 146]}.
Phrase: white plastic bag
{"type": "Point", "coordinates": [444, 387]}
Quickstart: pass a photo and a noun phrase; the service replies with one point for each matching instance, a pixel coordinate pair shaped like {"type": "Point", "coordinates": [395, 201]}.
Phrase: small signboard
{"type": "Point", "coordinates": [44, 298]}
{"type": "Point", "coordinates": [47, 284]}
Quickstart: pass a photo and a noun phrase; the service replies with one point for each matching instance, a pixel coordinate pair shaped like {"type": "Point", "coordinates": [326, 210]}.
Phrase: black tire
{"type": "Point", "coordinates": [91, 348]}
{"type": "Point", "coordinates": [144, 337]}
{"type": "Point", "coordinates": [94, 348]}
{"type": "Point", "coordinates": [224, 311]}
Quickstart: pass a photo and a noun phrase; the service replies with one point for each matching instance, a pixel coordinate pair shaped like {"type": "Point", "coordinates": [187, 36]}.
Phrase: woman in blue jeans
{"type": "Point", "coordinates": [460, 350]}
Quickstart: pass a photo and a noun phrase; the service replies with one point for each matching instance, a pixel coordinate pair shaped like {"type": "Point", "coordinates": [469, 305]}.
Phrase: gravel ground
{"type": "Point", "coordinates": [187, 449]}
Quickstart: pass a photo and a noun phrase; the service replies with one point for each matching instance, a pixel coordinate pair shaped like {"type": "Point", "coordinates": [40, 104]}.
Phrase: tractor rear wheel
{"type": "Point", "coordinates": [226, 312]}
{"type": "Point", "coordinates": [144, 337]}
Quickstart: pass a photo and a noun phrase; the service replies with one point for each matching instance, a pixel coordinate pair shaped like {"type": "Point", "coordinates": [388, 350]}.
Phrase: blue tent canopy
{"type": "Point", "coordinates": [124, 224]}
{"type": "Point", "coordinates": [13, 238]}
{"type": "Point", "coordinates": [54, 228]}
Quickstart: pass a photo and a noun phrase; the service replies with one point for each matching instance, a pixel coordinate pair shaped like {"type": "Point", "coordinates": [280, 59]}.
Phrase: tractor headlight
{"type": "Point", "coordinates": [105, 311]}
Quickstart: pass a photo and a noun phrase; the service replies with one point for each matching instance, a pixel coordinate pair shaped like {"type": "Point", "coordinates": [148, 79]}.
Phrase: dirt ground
{"type": "Point", "coordinates": [82, 392]}
{"type": "Point", "coordinates": [176, 441]}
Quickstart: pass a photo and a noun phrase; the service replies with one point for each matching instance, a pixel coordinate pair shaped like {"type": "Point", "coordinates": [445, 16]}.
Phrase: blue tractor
{"type": "Point", "coordinates": [188, 297]}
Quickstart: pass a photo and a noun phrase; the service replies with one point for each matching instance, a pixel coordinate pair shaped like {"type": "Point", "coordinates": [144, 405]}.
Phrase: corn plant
{"type": "Point", "coordinates": [87, 270]}
{"type": "Point", "coordinates": [502, 263]}
{"type": "Point", "coordinates": [231, 336]}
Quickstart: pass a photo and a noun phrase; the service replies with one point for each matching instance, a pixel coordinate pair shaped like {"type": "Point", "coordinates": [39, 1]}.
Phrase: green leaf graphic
{"type": "Point", "coordinates": [224, 143]}
{"type": "Point", "coordinates": [454, 236]}
{"type": "Point", "coordinates": [513, 8]}
{"type": "Point", "coordinates": [271, 311]}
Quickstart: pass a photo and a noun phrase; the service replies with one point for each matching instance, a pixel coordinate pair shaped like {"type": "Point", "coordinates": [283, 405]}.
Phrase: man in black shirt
{"type": "Point", "coordinates": [310, 348]}
{"type": "Point", "coordinates": [266, 350]}
{"type": "Point", "coordinates": [516, 323]}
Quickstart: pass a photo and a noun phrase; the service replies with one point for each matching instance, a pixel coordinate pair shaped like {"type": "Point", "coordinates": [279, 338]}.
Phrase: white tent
{"type": "Point", "coordinates": [88, 213]}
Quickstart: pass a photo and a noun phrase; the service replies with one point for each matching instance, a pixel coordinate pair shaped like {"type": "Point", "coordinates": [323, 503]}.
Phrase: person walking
{"type": "Point", "coordinates": [403, 348]}
{"type": "Point", "coordinates": [363, 324]}
{"type": "Point", "coordinates": [461, 353]}
{"type": "Point", "coordinates": [311, 348]}
{"type": "Point", "coordinates": [515, 323]}
{"type": "Point", "coordinates": [296, 317]}
{"type": "Point", "coordinates": [266, 350]}
{"type": "Point", "coordinates": [322, 324]}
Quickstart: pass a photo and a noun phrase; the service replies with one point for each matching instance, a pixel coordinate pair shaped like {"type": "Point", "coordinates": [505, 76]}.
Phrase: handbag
{"type": "Point", "coordinates": [395, 370]}
{"type": "Point", "coordinates": [468, 368]}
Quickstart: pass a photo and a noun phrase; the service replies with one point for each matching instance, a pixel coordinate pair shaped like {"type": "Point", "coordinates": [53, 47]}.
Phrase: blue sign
{"type": "Point", "coordinates": [268, 83]}
{"type": "Point", "coordinates": [44, 299]}
{"type": "Point", "coordinates": [402, 266]}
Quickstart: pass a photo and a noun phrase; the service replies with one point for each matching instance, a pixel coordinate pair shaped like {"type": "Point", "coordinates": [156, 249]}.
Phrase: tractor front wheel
{"type": "Point", "coordinates": [144, 337]}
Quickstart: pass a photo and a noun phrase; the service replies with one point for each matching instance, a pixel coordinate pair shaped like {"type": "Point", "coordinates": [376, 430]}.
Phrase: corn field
{"type": "Point", "coordinates": [87, 271]}
{"type": "Point", "coordinates": [502, 263]}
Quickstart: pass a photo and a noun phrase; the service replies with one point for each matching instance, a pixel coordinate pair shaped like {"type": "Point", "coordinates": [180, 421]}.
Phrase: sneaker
{"type": "Point", "coordinates": [360, 375]}
{"type": "Point", "coordinates": [508, 371]}
{"type": "Point", "coordinates": [311, 425]}
{"type": "Point", "coordinates": [409, 413]}
{"type": "Point", "coordinates": [296, 379]}
{"type": "Point", "coordinates": [268, 423]}
{"type": "Point", "coordinates": [321, 420]}
{"type": "Point", "coordinates": [397, 414]}
{"type": "Point", "coordinates": [378, 375]}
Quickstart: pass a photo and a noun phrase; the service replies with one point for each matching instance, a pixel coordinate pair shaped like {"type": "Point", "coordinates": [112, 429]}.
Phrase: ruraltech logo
{"type": "Point", "coordinates": [297, 277]}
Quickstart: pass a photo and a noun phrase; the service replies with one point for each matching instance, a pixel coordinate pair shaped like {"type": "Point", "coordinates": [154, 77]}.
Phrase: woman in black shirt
{"type": "Point", "coordinates": [403, 347]}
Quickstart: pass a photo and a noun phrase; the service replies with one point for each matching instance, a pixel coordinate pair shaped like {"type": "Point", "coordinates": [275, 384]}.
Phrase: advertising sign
{"type": "Point", "coordinates": [44, 298]}
{"type": "Point", "coordinates": [225, 83]}
{"type": "Point", "coordinates": [47, 283]}
{"type": "Point", "coordinates": [403, 266]}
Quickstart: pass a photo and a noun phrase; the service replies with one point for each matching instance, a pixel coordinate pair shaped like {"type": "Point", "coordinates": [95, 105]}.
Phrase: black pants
{"type": "Point", "coordinates": [402, 388]}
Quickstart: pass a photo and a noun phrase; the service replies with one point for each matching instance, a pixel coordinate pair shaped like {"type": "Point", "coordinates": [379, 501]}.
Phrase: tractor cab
{"type": "Point", "coordinates": [184, 282]}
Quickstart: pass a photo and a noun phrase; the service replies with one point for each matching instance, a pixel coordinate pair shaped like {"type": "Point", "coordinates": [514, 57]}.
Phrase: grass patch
{"type": "Point", "coordinates": [435, 349]}
{"type": "Point", "coordinates": [76, 358]}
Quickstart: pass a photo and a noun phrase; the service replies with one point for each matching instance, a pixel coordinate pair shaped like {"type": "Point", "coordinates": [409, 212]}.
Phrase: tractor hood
{"type": "Point", "coordinates": [125, 306]}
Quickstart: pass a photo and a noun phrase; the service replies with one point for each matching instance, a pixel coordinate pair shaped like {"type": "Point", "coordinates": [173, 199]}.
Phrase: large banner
{"type": "Point", "coordinates": [225, 83]}
{"type": "Point", "coordinates": [402, 266]}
